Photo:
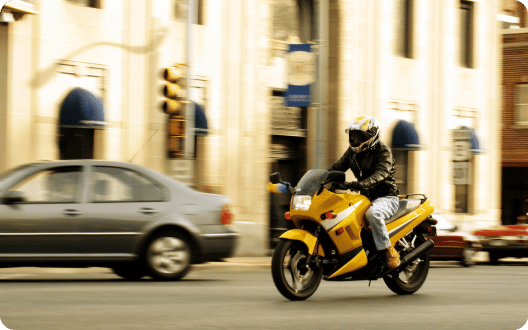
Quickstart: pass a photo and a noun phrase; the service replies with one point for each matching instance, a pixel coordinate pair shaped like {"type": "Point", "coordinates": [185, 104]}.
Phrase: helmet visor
{"type": "Point", "coordinates": [356, 138]}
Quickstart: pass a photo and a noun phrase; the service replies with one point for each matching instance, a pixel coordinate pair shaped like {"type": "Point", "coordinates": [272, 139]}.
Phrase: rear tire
{"type": "Point", "coordinates": [412, 277]}
{"type": "Point", "coordinates": [293, 278]}
{"type": "Point", "coordinates": [168, 256]}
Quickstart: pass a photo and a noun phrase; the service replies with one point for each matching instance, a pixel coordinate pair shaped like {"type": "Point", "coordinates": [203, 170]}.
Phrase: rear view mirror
{"type": "Point", "coordinates": [275, 178]}
{"type": "Point", "coordinates": [14, 197]}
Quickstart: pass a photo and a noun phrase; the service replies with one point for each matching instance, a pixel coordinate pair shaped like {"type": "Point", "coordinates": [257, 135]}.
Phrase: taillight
{"type": "Point", "coordinates": [287, 216]}
{"type": "Point", "coordinates": [227, 216]}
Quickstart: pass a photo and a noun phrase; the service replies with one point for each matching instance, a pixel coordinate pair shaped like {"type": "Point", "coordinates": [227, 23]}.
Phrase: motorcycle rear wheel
{"type": "Point", "coordinates": [293, 278]}
{"type": "Point", "coordinates": [412, 277]}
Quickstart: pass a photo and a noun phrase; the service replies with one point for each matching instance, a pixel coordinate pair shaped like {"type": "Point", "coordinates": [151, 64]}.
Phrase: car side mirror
{"type": "Point", "coordinates": [14, 197]}
{"type": "Point", "coordinates": [275, 178]}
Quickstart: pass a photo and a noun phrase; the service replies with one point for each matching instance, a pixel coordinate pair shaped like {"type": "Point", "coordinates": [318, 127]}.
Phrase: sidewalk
{"type": "Point", "coordinates": [229, 264]}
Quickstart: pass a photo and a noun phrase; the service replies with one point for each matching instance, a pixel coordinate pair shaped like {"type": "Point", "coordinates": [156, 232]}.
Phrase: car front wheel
{"type": "Point", "coordinates": [168, 256]}
{"type": "Point", "coordinates": [468, 255]}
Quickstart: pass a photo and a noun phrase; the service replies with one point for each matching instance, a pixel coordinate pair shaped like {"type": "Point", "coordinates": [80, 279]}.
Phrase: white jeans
{"type": "Point", "coordinates": [382, 208]}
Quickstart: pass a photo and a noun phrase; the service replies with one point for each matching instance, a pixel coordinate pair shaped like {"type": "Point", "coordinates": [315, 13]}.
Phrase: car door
{"type": "Point", "coordinates": [121, 202]}
{"type": "Point", "coordinates": [44, 222]}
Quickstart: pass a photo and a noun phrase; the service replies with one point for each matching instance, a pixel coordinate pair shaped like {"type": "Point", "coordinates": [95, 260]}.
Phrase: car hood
{"type": "Point", "coordinates": [509, 230]}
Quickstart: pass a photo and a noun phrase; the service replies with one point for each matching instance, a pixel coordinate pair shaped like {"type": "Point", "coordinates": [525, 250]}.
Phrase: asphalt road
{"type": "Point", "coordinates": [453, 297]}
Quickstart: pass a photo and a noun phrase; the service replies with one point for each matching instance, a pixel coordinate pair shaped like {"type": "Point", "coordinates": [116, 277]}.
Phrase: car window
{"type": "Point", "coordinates": [115, 184]}
{"type": "Point", "coordinates": [7, 173]}
{"type": "Point", "coordinates": [444, 224]}
{"type": "Point", "coordinates": [54, 185]}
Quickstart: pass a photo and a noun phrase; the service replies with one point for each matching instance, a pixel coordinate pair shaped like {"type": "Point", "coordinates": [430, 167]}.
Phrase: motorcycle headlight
{"type": "Point", "coordinates": [301, 202]}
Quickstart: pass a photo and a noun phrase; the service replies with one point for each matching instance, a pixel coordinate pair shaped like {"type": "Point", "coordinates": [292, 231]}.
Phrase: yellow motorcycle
{"type": "Point", "coordinates": [333, 241]}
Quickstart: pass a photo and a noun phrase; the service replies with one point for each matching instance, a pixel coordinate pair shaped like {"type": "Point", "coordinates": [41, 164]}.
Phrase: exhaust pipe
{"type": "Point", "coordinates": [416, 253]}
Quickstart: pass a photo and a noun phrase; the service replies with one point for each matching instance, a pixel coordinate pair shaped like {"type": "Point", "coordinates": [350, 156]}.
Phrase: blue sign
{"type": "Point", "coordinates": [301, 74]}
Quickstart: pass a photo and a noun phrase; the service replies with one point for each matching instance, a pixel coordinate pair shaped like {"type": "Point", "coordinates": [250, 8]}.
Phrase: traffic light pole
{"type": "Point", "coordinates": [189, 106]}
{"type": "Point", "coordinates": [321, 155]}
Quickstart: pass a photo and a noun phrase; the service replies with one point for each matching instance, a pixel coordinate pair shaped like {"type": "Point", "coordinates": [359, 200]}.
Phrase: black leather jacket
{"type": "Point", "coordinates": [374, 170]}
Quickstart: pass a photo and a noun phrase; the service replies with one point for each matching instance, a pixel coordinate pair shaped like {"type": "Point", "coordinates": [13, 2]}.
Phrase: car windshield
{"type": "Point", "coordinates": [311, 182]}
{"type": "Point", "coordinates": [444, 224]}
{"type": "Point", "coordinates": [7, 173]}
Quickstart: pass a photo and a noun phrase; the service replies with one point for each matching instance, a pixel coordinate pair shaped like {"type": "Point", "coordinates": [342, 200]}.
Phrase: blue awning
{"type": "Point", "coordinates": [475, 145]}
{"type": "Point", "coordinates": [405, 137]}
{"type": "Point", "coordinates": [200, 121]}
{"type": "Point", "coordinates": [81, 108]}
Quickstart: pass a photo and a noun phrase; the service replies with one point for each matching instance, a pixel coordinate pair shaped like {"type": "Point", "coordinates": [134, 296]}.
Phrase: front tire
{"type": "Point", "coordinates": [168, 256]}
{"type": "Point", "coordinates": [468, 256]}
{"type": "Point", "coordinates": [293, 278]}
{"type": "Point", "coordinates": [412, 277]}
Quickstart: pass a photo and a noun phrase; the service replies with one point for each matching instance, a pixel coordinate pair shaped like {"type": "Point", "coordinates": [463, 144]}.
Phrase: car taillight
{"type": "Point", "coordinates": [227, 216]}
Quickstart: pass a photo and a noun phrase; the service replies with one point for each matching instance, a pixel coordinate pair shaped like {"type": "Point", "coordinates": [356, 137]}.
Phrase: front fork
{"type": "Point", "coordinates": [315, 255]}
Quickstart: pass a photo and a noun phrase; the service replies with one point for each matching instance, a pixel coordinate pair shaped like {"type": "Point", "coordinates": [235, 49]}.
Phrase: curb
{"type": "Point", "coordinates": [229, 264]}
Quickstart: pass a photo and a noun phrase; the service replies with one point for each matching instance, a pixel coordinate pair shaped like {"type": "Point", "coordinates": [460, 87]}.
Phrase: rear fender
{"type": "Point", "coordinates": [302, 235]}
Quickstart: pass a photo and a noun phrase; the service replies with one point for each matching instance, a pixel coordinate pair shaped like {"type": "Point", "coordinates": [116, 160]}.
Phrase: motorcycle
{"type": "Point", "coordinates": [333, 241]}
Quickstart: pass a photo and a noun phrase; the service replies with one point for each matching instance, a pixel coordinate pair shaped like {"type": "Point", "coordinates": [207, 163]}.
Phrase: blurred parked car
{"type": "Point", "coordinates": [451, 244]}
{"type": "Point", "coordinates": [83, 213]}
{"type": "Point", "coordinates": [504, 241]}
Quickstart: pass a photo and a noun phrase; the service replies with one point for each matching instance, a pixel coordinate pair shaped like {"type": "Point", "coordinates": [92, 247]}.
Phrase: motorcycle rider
{"type": "Point", "coordinates": [371, 162]}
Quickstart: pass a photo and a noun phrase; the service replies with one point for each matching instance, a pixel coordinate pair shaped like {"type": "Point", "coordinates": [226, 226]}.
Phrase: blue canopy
{"type": "Point", "coordinates": [475, 145]}
{"type": "Point", "coordinates": [81, 108]}
{"type": "Point", "coordinates": [405, 136]}
{"type": "Point", "coordinates": [200, 121]}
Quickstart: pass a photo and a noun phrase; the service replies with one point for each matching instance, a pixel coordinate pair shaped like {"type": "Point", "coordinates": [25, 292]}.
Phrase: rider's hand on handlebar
{"type": "Point", "coordinates": [339, 186]}
{"type": "Point", "coordinates": [353, 185]}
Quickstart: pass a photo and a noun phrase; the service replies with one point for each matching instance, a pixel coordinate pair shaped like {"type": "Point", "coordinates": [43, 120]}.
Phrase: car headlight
{"type": "Point", "coordinates": [301, 202]}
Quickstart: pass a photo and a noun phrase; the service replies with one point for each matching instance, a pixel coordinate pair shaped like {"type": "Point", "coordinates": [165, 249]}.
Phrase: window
{"type": "Point", "coordinates": [87, 3]}
{"type": "Point", "coordinates": [404, 30]}
{"type": "Point", "coordinates": [461, 198]}
{"type": "Point", "coordinates": [181, 13]}
{"type": "Point", "coordinates": [56, 185]}
{"type": "Point", "coordinates": [400, 165]}
{"type": "Point", "coordinates": [521, 104]}
{"type": "Point", "coordinates": [113, 184]}
{"type": "Point", "coordinates": [466, 34]}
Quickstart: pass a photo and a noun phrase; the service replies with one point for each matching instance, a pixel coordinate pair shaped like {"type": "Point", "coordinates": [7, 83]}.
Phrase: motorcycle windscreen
{"type": "Point", "coordinates": [311, 182]}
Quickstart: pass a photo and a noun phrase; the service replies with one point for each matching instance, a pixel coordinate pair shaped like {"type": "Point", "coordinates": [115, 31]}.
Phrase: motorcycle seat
{"type": "Point", "coordinates": [406, 206]}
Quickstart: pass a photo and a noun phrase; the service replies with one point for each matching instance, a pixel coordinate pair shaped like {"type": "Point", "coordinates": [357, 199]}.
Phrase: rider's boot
{"type": "Point", "coordinates": [393, 258]}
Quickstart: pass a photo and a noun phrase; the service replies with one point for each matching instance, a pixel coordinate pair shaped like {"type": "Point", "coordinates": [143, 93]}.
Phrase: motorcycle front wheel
{"type": "Point", "coordinates": [293, 278]}
{"type": "Point", "coordinates": [412, 277]}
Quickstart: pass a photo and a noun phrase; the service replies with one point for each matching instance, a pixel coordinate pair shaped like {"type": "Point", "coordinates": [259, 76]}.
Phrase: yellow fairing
{"type": "Point", "coordinates": [399, 228]}
{"type": "Point", "coordinates": [305, 237]}
{"type": "Point", "coordinates": [359, 261]}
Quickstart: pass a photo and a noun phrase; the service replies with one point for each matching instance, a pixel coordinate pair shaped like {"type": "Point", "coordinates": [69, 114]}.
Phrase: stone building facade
{"type": "Point", "coordinates": [416, 65]}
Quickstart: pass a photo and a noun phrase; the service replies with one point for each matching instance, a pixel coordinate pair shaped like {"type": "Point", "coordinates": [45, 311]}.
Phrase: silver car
{"type": "Point", "coordinates": [84, 213]}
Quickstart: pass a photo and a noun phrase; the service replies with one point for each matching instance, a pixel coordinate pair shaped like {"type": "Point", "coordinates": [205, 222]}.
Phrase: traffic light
{"type": "Point", "coordinates": [174, 106]}
{"type": "Point", "coordinates": [173, 90]}
{"type": "Point", "coordinates": [176, 142]}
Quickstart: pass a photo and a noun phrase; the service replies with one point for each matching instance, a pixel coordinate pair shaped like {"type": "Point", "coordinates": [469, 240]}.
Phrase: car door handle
{"type": "Point", "coordinates": [71, 212]}
{"type": "Point", "coordinates": [147, 210]}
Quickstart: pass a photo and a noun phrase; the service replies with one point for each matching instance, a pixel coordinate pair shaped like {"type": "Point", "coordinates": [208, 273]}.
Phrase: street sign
{"type": "Point", "coordinates": [460, 173]}
{"type": "Point", "coordinates": [462, 144]}
{"type": "Point", "coordinates": [301, 74]}
{"type": "Point", "coordinates": [461, 151]}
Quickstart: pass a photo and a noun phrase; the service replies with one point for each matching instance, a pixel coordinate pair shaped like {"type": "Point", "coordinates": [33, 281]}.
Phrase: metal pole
{"type": "Point", "coordinates": [189, 108]}
{"type": "Point", "coordinates": [321, 157]}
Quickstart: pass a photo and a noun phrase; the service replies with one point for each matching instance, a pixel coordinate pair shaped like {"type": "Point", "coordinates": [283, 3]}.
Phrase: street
{"type": "Point", "coordinates": [453, 297]}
